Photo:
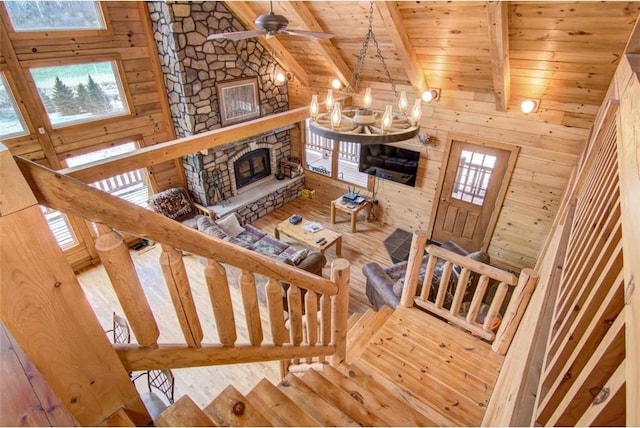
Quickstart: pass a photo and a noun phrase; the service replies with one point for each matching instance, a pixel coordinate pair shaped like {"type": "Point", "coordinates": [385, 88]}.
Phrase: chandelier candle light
{"type": "Point", "coordinates": [366, 125]}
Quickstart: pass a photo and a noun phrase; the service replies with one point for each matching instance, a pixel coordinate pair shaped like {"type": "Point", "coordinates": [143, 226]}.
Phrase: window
{"type": "Point", "coordinates": [472, 177]}
{"type": "Point", "coordinates": [130, 186]}
{"type": "Point", "coordinates": [60, 227]}
{"type": "Point", "coordinates": [320, 154]}
{"type": "Point", "coordinates": [79, 93]}
{"type": "Point", "coordinates": [11, 121]}
{"type": "Point", "coordinates": [54, 15]}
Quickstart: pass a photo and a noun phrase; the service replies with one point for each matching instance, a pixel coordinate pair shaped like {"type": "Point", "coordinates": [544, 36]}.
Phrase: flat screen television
{"type": "Point", "coordinates": [389, 162]}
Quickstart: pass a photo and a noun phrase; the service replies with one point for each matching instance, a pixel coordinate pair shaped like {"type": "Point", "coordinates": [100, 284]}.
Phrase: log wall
{"type": "Point", "coordinates": [550, 139]}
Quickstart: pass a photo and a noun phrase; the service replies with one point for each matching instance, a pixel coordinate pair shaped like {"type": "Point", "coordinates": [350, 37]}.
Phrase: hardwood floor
{"type": "Point", "coordinates": [203, 384]}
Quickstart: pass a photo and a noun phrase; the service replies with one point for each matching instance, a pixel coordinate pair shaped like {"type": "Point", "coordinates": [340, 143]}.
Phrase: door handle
{"type": "Point", "coordinates": [443, 199]}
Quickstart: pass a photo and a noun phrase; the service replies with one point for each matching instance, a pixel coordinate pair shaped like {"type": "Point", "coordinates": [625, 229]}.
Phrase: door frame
{"type": "Point", "coordinates": [502, 193]}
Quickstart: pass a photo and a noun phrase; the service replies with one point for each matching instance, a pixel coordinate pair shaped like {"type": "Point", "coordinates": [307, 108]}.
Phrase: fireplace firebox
{"type": "Point", "coordinates": [251, 167]}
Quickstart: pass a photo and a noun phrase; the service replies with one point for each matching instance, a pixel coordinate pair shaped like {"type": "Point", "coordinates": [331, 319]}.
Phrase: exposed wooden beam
{"type": "Point", "coordinates": [247, 16]}
{"type": "Point", "coordinates": [498, 23]}
{"type": "Point", "coordinates": [301, 12]}
{"type": "Point", "coordinates": [393, 21]}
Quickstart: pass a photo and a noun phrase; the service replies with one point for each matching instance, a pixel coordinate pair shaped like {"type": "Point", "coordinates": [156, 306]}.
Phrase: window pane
{"type": "Point", "coordinates": [319, 152]}
{"type": "Point", "coordinates": [348, 159]}
{"type": "Point", "coordinates": [11, 122]}
{"type": "Point", "coordinates": [130, 186]}
{"type": "Point", "coordinates": [54, 15]}
{"type": "Point", "coordinates": [472, 177]}
{"type": "Point", "coordinates": [80, 92]}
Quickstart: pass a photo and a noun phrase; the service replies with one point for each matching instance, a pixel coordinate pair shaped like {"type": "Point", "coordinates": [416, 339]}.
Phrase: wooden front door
{"type": "Point", "coordinates": [472, 190]}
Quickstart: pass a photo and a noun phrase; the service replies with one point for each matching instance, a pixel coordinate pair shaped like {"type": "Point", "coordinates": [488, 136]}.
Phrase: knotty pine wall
{"type": "Point", "coordinates": [551, 141]}
{"type": "Point", "coordinates": [128, 39]}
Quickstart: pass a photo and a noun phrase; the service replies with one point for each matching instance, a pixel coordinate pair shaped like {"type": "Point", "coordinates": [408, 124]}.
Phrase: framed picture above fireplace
{"type": "Point", "coordinates": [238, 100]}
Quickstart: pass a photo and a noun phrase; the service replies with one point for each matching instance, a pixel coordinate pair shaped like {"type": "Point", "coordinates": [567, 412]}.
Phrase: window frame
{"type": "Point", "coordinates": [53, 33]}
{"type": "Point", "coordinates": [5, 73]}
{"type": "Point", "coordinates": [82, 59]}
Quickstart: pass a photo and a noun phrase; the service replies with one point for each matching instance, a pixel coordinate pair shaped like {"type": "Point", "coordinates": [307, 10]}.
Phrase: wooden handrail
{"type": "Point", "coordinates": [71, 196]}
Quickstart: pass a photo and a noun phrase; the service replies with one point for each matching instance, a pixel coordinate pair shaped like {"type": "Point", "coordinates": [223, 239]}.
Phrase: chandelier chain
{"type": "Point", "coordinates": [354, 82]}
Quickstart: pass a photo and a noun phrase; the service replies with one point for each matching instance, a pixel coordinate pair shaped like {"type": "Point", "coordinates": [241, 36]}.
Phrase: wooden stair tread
{"type": "Point", "coordinates": [353, 318]}
{"type": "Point", "coordinates": [278, 407]}
{"type": "Point", "coordinates": [341, 399]}
{"type": "Point", "coordinates": [320, 409]}
{"type": "Point", "coordinates": [359, 336]}
{"type": "Point", "coordinates": [393, 409]}
{"type": "Point", "coordinates": [231, 408]}
{"type": "Point", "coordinates": [184, 412]}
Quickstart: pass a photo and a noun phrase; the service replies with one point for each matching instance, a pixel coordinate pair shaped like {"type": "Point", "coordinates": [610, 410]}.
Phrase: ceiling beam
{"type": "Point", "coordinates": [498, 23]}
{"type": "Point", "coordinates": [329, 52]}
{"type": "Point", "coordinates": [393, 21]}
{"type": "Point", "coordinates": [247, 16]}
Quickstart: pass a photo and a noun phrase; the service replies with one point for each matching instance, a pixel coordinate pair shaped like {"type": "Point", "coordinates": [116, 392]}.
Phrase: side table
{"type": "Point", "coordinates": [338, 204]}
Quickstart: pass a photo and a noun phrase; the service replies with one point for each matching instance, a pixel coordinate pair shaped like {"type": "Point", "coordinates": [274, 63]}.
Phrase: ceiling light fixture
{"type": "Point", "coordinates": [365, 124]}
{"type": "Point", "coordinates": [430, 95]}
{"type": "Point", "coordinates": [336, 84]}
{"type": "Point", "coordinates": [528, 106]}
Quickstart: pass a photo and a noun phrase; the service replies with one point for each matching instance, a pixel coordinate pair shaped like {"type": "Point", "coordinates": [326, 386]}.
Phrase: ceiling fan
{"type": "Point", "coordinates": [269, 25]}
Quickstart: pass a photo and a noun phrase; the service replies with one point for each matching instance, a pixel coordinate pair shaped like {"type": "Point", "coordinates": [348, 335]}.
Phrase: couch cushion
{"type": "Point", "coordinates": [193, 221]}
{"type": "Point", "coordinates": [208, 226]}
{"type": "Point", "coordinates": [173, 203]}
{"type": "Point", "coordinates": [230, 225]}
{"type": "Point", "coordinates": [269, 246]}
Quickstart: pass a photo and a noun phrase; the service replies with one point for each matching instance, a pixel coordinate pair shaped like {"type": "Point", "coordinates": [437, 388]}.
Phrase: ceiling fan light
{"type": "Point", "coordinates": [528, 106]}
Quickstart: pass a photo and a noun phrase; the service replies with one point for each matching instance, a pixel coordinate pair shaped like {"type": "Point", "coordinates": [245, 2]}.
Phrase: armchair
{"type": "Point", "coordinates": [384, 285]}
{"type": "Point", "coordinates": [176, 204]}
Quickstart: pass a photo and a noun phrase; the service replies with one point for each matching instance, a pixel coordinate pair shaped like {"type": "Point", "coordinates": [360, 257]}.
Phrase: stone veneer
{"type": "Point", "coordinates": [271, 201]}
{"type": "Point", "coordinates": [192, 66]}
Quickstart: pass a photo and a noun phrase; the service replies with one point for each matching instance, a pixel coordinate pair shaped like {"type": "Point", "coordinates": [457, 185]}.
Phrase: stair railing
{"type": "Point", "coordinates": [524, 286]}
{"type": "Point", "coordinates": [314, 336]}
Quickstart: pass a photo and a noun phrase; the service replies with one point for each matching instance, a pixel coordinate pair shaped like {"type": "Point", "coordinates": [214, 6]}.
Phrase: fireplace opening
{"type": "Point", "coordinates": [251, 167]}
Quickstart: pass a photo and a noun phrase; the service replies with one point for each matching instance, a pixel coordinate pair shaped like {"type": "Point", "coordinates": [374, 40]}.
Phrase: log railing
{"type": "Point", "coordinates": [524, 286]}
{"type": "Point", "coordinates": [300, 338]}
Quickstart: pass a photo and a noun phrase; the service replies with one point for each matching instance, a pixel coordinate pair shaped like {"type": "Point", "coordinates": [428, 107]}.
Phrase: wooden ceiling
{"type": "Point", "coordinates": [553, 51]}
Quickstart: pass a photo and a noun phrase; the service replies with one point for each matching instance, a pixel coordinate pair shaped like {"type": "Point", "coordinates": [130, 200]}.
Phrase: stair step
{"type": "Point", "coordinates": [278, 407]}
{"type": "Point", "coordinates": [321, 410]}
{"type": "Point", "coordinates": [332, 393]}
{"type": "Point", "coordinates": [183, 412]}
{"type": "Point", "coordinates": [231, 408]}
{"type": "Point", "coordinates": [359, 336]}
{"type": "Point", "coordinates": [353, 318]}
{"type": "Point", "coordinates": [401, 412]}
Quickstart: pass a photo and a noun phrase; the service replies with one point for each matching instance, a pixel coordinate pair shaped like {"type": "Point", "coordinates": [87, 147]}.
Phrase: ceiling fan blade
{"type": "Point", "coordinates": [314, 34]}
{"type": "Point", "coordinates": [238, 35]}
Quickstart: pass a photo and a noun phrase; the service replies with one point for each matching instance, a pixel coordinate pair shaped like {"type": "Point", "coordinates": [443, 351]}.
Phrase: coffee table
{"type": "Point", "coordinates": [296, 232]}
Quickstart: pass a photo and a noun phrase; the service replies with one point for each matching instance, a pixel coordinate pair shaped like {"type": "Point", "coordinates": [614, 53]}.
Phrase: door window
{"type": "Point", "coordinates": [473, 176]}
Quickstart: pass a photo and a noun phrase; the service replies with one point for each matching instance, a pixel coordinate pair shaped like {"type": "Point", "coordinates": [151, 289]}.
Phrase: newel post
{"type": "Point", "coordinates": [416, 253]}
{"type": "Point", "coordinates": [340, 274]}
{"type": "Point", "coordinates": [517, 305]}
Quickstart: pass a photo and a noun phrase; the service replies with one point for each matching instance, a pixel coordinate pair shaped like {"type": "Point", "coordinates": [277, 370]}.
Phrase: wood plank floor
{"type": "Point", "coordinates": [202, 384]}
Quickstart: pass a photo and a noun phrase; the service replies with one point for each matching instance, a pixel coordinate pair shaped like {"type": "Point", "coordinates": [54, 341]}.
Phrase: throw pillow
{"type": "Point", "coordinates": [299, 256]}
{"type": "Point", "coordinates": [206, 225]}
{"type": "Point", "coordinates": [230, 225]}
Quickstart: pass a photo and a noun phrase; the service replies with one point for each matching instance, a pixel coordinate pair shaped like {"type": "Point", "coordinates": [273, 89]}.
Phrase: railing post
{"type": "Point", "coordinates": [515, 310]}
{"type": "Point", "coordinates": [43, 307]}
{"type": "Point", "coordinates": [413, 268]}
{"type": "Point", "coordinates": [340, 274]}
{"type": "Point", "coordinates": [116, 260]}
{"type": "Point", "coordinates": [175, 275]}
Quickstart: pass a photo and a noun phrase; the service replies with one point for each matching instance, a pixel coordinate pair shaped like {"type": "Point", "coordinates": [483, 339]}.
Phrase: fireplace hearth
{"type": "Point", "coordinates": [252, 167]}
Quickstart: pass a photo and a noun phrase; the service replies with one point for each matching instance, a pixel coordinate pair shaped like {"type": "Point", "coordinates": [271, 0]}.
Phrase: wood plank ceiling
{"type": "Point", "coordinates": [562, 52]}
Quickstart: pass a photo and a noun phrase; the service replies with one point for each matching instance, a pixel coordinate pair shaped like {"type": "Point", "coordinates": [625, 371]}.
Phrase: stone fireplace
{"type": "Point", "coordinates": [191, 67]}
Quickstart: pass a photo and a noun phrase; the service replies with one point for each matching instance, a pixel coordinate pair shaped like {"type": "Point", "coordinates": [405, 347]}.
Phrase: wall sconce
{"type": "Point", "coordinates": [336, 84]}
{"type": "Point", "coordinates": [430, 95]}
{"type": "Point", "coordinates": [281, 77]}
{"type": "Point", "coordinates": [528, 106]}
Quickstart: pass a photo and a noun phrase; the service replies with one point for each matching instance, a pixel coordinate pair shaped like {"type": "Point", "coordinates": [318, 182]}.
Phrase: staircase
{"type": "Point", "coordinates": [405, 368]}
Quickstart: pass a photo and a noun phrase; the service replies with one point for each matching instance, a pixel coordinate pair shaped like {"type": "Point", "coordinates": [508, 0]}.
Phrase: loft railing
{"type": "Point", "coordinates": [322, 335]}
{"type": "Point", "coordinates": [524, 285]}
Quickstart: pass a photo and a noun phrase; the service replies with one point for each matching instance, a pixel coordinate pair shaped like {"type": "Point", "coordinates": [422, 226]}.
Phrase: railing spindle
{"type": "Point", "coordinates": [220, 297]}
{"type": "Point", "coordinates": [428, 278]}
{"type": "Point", "coordinates": [273, 290]}
{"type": "Point", "coordinates": [416, 253]}
{"type": "Point", "coordinates": [251, 308]}
{"type": "Point", "coordinates": [325, 321]}
{"type": "Point", "coordinates": [444, 283]}
{"type": "Point", "coordinates": [498, 298]}
{"type": "Point", "coordinates": [340, 272]}
{"type": "Point", "coordinates": [478, 296]}
{"type": "Point", "coordinates": [175, 275]}
{"type": "Point", "coordinates": [311, 312]}
{"type": "Point", "coordinates": [116, 260]}
{"type": "Point", "coordinates": [461, 286]}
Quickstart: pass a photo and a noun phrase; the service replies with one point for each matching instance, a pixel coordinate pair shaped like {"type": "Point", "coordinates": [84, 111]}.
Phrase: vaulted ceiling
{"type": "Point", "coordinates": [556, 51]}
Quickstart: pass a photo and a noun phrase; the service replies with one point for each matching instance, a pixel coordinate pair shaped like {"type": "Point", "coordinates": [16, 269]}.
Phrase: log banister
{"type": "Point", "coordinates": [71, 196]}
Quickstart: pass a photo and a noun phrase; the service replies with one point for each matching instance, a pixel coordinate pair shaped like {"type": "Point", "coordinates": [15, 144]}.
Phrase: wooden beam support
{"type": "Point", "coordinates": [404, 48]}
{"type": "Point", "coordinates": [163, 152]}
{"type": "Point", "coordinates": [242, 11]}
{"type": "Point", "coordinates": [498, 23]}
{"type": "Point", "coordinates": [301, 12]}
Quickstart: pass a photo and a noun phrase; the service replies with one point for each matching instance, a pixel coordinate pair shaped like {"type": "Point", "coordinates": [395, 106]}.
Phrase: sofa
{"type": "Point", "coordinates": [384, 285]}
{"type": "Point", "coordinates": [247, 236]}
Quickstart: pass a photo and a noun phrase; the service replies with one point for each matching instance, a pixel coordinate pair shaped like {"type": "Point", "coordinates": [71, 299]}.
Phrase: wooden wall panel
{"type": "Point", "coordinates": [549, 152]}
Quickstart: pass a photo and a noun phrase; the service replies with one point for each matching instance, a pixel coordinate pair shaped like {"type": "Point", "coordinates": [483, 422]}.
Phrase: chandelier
{"type": "Point", "coordinates": [365, 124]}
